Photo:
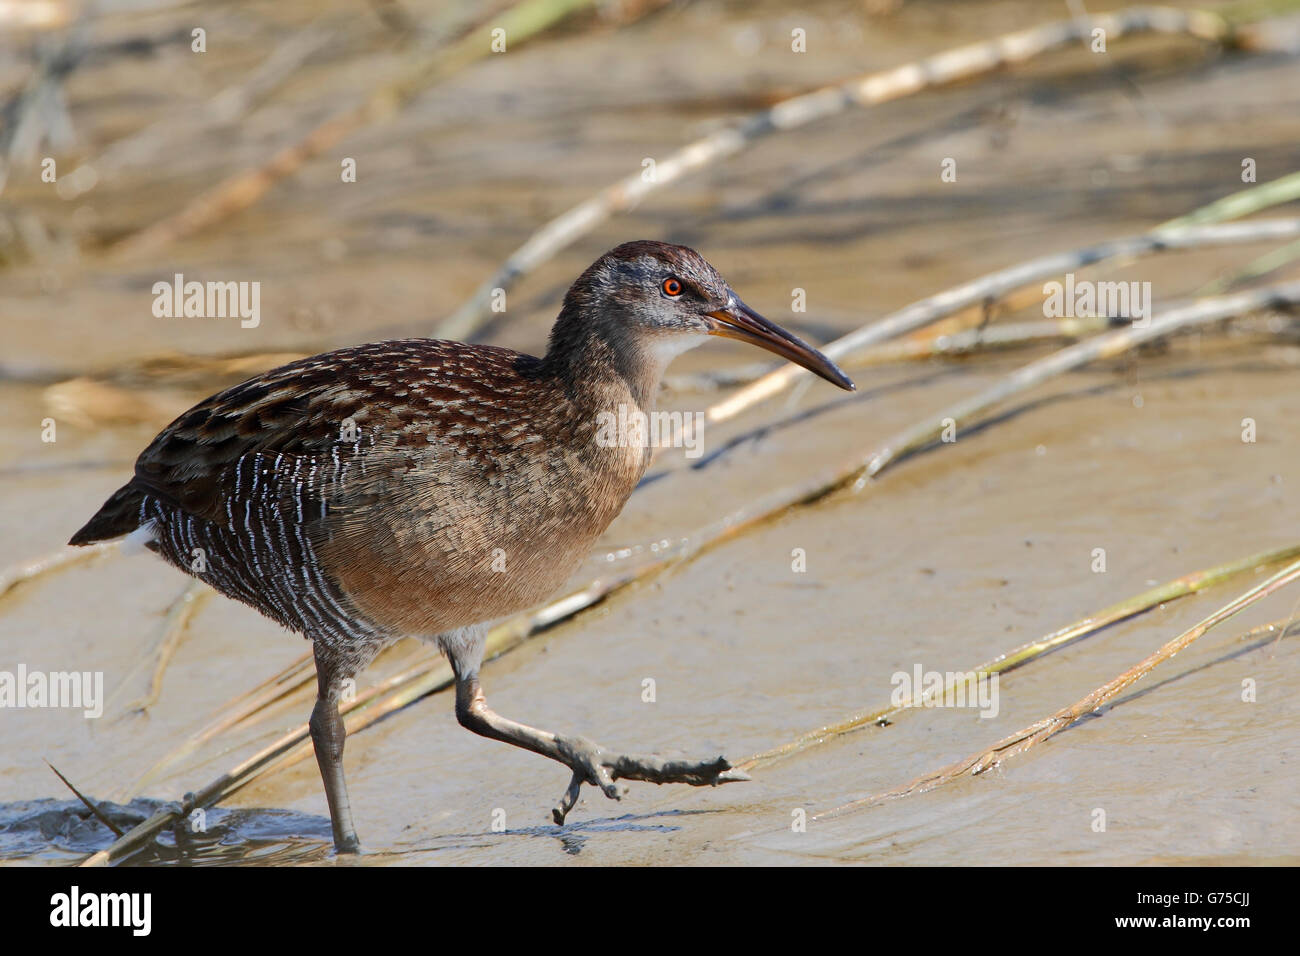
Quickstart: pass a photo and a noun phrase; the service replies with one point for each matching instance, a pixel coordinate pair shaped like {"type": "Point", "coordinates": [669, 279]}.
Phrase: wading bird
{"type": "Point", "coordinates": [423, 488]}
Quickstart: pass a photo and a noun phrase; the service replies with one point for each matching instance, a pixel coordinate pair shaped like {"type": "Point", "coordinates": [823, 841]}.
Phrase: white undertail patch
{"type": "Point", "coordinates": [136, 541]}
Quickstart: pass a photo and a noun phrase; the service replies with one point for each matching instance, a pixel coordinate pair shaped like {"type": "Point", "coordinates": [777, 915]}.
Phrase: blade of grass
{"type": "Point", "coordinates": [1042, 730]}
{"type": "Point", "coordinates": [90, 805]}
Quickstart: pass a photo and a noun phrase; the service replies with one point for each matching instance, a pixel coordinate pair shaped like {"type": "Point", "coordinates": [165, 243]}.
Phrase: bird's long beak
{"type": "Point", "coordinates": [739, 321]}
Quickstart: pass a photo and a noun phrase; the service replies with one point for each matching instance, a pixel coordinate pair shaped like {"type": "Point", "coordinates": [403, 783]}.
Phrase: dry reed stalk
{"type": "Point", "coordinates": [257, 700]}
{"type": "Point", "coordinates": [967, 304]}
{"type": "Point", "coordinates": [176, 624]}
{"type": "Point", "coordinates": [1257, 268]}
{"type": "Point", "coordinates": [38, 113]}
{"type": "Point", "coordinates": [933, 344]}
{"type": "Point", "coordinates": [1183, 586]}
{"type": "Point", "coordinates": [989, 288]}
{"type": "Point", "coordinates": [1104, 346]}
{"type": "Point", "coordinates": [90, 805]}
{"type": "Point", "coordinates": [16, 574]}
{"type": "Point", "coordinates": [1048, 727]}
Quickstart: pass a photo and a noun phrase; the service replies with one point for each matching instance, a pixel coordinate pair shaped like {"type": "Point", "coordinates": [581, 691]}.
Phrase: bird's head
{"type": "Point", "coordinates": [656, 300]}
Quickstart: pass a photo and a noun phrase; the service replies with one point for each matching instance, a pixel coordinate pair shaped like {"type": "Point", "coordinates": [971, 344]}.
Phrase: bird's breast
{"type": "Point", "coordinates": [456, 537]}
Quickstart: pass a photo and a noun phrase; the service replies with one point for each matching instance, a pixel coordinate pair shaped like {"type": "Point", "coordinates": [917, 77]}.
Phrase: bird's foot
{"type": "Point", "coordinates": [346, 844]}
{"type": "Point", "coordinates": [601, 768]}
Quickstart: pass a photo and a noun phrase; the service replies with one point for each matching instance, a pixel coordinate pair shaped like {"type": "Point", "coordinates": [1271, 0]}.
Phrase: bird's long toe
{"type": "Point", "coordinates": [595, 765]}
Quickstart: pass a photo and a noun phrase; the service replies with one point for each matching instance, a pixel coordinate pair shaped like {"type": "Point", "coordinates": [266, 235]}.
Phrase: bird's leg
{"type": "Point", "coordinates": [589, 762]}
{"type": "Point", "coordinates": [327, 736]}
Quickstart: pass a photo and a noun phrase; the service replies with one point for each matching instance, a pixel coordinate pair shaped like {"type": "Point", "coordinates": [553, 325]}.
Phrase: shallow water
{"type": "Point", "coordinates": [954, 556]}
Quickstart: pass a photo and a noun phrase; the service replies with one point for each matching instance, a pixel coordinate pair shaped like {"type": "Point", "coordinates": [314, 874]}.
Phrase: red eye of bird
{"type": "Point", "coordinates": [672, 287]}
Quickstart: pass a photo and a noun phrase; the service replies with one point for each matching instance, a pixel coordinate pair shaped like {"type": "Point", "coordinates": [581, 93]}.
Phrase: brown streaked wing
{"type": "Point", "coordinates": [299, 410]}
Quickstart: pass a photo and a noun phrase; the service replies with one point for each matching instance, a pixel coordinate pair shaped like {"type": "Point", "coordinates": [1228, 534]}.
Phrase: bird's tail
{"type": "Point", "coordinates": [119, 515]}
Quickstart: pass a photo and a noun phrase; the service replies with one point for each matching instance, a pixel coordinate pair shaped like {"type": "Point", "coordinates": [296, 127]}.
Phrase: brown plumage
{"type": "Point", "coordinates": [424, 487]}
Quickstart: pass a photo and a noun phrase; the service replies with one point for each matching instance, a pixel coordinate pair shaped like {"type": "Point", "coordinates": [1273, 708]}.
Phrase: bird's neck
{"type": "Point", "coordinates": [594, 363]}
